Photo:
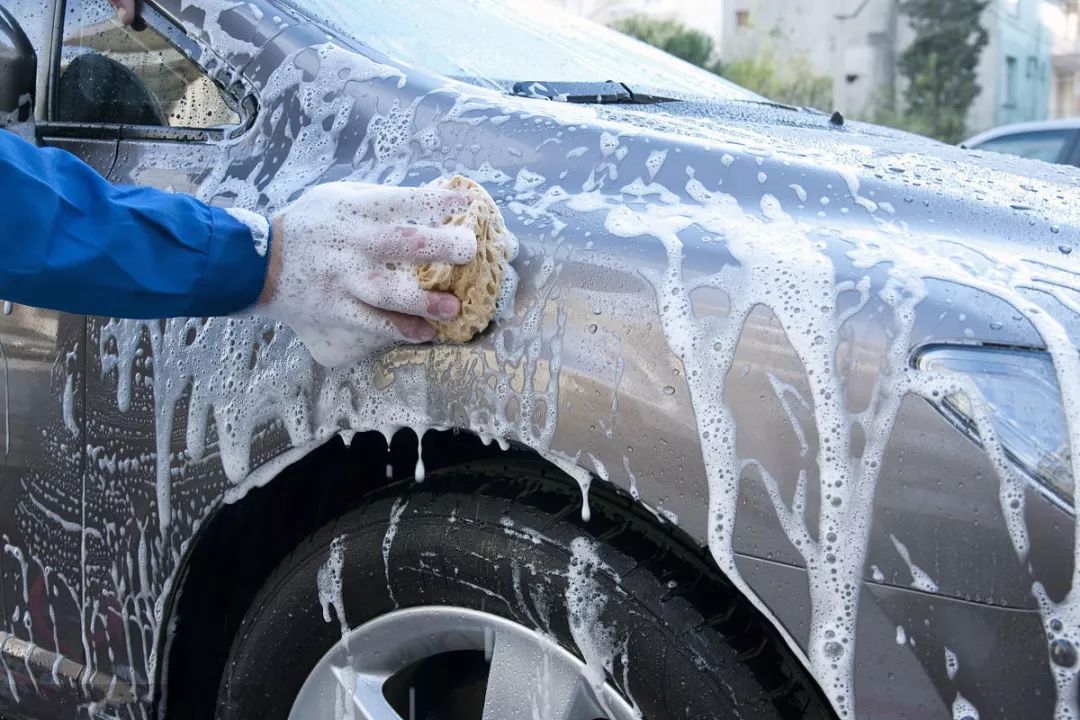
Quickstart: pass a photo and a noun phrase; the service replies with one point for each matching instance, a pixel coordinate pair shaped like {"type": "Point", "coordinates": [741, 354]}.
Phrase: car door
{"type": "Point", "coordinates": [42, 359]}
{"type": "Point", "coordinates": [133, 103]}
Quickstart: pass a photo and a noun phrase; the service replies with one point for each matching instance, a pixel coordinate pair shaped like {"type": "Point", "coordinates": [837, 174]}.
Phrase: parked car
{"type": "Point", "coordinates": [777, 423]}
{"type": "Point", "coordinates": [1056, 141]}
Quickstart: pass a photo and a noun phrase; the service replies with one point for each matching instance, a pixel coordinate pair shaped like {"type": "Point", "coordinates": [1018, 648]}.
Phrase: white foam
{"type": "Point", "coordinates": [586, 601]}
{"type": "Point", "coordinates": [920, 580]}
{"type": "Point", "coordinates": [962, 709]}
{"type": "Point", "coordinates": [952, 664]}
{"type": "Point", "coordinates": [396, 512]}
{"type": "Point", "coordinates": [328, 582]}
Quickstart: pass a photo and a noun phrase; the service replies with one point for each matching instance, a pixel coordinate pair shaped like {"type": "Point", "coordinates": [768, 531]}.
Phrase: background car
{"type": "Point", "coordinates": [776, 425]}
{"type": "Point", "coordinates": [1054, 141]}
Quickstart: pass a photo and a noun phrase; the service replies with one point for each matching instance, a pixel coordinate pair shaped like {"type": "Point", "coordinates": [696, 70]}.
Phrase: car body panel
{"type": "Point", "coordinates": [585, 371]}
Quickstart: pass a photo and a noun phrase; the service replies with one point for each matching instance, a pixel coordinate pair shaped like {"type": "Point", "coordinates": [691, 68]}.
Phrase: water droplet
{"type": "Point", "coordinates": [1065, 249]}
{"type": "Point", "coordinates": [1063, 653]}
{"type": "Point", "coordinates": [834, 649]}
{"type": "Point", "coordinates": [668, 390]}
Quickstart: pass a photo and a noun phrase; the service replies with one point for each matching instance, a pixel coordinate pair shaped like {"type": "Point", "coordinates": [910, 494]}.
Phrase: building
{"type": "Point", "coordinates": [1030, 69]}
{"type": "Point", "coordinates": [1063, 18]}
{"type": "Point", "coordinates": [858, 42]}
{"type": "Point", "coordinates": [1017, 63]}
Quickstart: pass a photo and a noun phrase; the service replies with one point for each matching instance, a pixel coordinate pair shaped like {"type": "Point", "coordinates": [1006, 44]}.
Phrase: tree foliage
{"type": "Point", "coordinates": [789, 80]}
{"type": "Point", "coordinates": [940, 66]}
{"type": "Point", "coordinates": [770, 73]}
{"type": "Point", "coordinates": [670, 36]}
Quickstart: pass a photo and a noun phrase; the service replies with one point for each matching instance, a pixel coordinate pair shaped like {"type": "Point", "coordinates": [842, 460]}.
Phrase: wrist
{"type": "Point", "coordinates": [273, 263]}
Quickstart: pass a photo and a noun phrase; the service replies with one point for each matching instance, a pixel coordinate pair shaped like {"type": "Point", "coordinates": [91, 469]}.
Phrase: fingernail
{"type": "Point", "coordinates": [449, 307]}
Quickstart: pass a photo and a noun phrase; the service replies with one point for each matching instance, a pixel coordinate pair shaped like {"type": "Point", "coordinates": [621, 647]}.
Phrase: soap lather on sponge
{"type": "Point", "coordinates": [476, 284]}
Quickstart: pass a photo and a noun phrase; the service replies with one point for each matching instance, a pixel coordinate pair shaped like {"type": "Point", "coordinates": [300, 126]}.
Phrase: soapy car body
{"type": "Point", "coordinates": [744, 316]}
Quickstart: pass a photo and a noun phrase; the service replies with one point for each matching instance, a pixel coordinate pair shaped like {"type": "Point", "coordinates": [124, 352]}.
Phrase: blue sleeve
{"type": "Point", "coordinates": [71, 241]}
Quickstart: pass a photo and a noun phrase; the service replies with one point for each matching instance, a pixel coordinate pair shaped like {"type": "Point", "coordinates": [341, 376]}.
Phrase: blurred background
{"type": "Point", "coordinates": [944, 68]}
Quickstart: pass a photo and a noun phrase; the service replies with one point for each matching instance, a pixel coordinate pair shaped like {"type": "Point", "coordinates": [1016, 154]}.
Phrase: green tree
{"type": "Point", "coordinates": [670, 36]}
{"type": "Point", "coordinates": [788, 80]}
{"type": "Point", "coordinates": [775, 75]}
{"type": "Point", "coordinates": [940, 65]}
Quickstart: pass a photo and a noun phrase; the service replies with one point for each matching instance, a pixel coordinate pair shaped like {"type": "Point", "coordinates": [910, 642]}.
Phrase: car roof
{"type": "Point", "coordinates": [1015, 128]}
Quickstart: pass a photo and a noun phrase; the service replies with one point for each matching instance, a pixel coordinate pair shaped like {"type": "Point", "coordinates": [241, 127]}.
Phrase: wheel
{"type": "Point", "coordinates": [481, 595]}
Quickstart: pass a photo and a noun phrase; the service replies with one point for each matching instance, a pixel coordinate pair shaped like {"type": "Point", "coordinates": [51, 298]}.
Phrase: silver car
{"type": "Point", "coordinates": [778, 423]}
{"type": "Point", "coordinates": [1056, 141]}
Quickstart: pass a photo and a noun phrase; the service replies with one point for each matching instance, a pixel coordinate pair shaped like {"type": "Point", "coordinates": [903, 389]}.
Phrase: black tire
{"type": "Point", "coordinates": [694, 648]}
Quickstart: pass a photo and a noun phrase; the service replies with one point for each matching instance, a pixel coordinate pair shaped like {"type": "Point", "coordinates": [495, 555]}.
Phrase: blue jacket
{"type": "Point", "coordinates": [71, 241]}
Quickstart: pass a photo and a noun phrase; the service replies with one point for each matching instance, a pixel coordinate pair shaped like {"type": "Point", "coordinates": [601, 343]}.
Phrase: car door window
{"type": "Point", "coordinates": [116, 75]}
{"type": "Point", "coordinates": [1048, 145]}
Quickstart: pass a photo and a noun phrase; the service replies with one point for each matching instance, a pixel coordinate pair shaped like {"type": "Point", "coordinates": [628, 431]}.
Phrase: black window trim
{"type": "Point", "coordinates": [240, 97]}
{"type": "Point", "coordinates": [1072, 155]}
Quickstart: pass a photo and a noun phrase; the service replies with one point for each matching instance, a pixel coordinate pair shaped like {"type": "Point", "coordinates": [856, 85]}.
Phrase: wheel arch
{"type": "Point", "coordinates": [241, 542]}
{"type": "Point", "coordinates": [238, 547]}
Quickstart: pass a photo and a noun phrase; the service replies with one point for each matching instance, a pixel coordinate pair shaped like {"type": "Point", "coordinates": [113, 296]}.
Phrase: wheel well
{"type": "Point", "coordinates": [243, 543]}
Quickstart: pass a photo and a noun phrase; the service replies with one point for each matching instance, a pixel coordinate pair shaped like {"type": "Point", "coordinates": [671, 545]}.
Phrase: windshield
{"type": "Point", "coordinates": [499, 42]}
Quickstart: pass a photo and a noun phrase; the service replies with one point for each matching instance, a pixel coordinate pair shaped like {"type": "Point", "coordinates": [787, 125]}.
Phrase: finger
{"type": "Point", "coordinates": [403, 205]}
{"type": "Point", "coordinates": [400, 292]}
{"type": "Point", "coordinates": [418, 245]}
{"type": "Point", "coordinates": [125, 10]}
{"type": "Point", "coordinates": [409, 327]}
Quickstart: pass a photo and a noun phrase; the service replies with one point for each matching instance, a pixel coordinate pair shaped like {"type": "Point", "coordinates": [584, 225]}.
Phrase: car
{"type": "Point", "coordinates": [1054, 141]}
{"type": "Point", "coordinates": [780, 421]}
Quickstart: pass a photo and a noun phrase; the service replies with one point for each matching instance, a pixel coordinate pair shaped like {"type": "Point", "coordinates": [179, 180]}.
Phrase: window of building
{"type": "Point", "coordinates": [742, 18]}
{"type": "Point", "coordinates": [1010, 81]}
{"type": "Point", "coordinates": [1032, 70]}
{"type": "Point", "coordinates": [116, 75]}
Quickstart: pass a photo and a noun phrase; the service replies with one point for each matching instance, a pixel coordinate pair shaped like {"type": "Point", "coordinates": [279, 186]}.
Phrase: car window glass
{"type": "Point", "coordinates": [499, 42]}
{"type": "Point", "coordinates": [116, 75]}
{"type": "Point", "coordinates": [1045, 145]}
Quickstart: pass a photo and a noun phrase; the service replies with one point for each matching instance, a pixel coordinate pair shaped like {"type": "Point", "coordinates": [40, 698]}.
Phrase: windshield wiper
{"type": "Point", "coordinates": [589, 93]}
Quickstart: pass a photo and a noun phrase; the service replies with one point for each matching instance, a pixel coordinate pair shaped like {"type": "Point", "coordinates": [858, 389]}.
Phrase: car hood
{"type": "Point", "coordinates": [978, 185]}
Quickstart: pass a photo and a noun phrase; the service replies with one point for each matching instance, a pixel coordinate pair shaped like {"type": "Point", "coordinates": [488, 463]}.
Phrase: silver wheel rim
{"type": "Point", "coordinates": [530, 678]}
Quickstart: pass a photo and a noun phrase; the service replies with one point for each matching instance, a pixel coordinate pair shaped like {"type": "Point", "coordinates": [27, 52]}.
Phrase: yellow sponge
{"type": "Point", "coordinates": [477, 283]}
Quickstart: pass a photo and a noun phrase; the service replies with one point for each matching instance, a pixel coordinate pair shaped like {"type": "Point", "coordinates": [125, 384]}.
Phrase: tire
{"type": "Point", "coordinates": [499, 539]}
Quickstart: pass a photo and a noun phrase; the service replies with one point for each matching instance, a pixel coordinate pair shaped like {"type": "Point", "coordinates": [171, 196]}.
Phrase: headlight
{"type": "Point", "coordinates": [1021, 391]}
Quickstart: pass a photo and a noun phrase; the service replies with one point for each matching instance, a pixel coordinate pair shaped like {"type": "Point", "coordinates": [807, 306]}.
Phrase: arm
{"type": "Point", "coordinates": [340, 269]}
{"type": "Point", "coordinates": [71, 241]}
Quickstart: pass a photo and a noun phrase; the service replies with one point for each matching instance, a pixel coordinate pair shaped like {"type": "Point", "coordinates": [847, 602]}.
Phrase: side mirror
{"type": "Point", "coordinates": [18, 71]}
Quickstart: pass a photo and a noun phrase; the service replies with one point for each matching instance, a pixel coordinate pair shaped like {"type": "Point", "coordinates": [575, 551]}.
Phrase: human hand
{"type": "Point", "coordinates": [125, 10]}
{"type": "Point", "coordinates": [342, 271]}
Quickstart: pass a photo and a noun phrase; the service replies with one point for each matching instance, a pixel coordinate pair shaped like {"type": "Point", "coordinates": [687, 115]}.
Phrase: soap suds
{"type": "Point", "coordinates": [328, 583]}
{"type": "Point", "coordinates": [586, 601]}
{"type": "Point", "coordinates": [919, 579]}
{"type": "Point", "coordinates": [396, 512]}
